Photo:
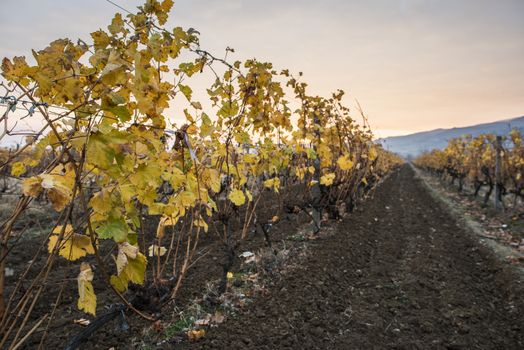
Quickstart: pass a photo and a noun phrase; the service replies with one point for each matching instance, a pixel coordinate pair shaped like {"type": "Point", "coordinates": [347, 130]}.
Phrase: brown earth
{"type": "Point", "coordinates": [400, 273]}
{"type": "Point", "coordinates": [61, 284]}
{"type": "Point", "coordinates": [396, 273]}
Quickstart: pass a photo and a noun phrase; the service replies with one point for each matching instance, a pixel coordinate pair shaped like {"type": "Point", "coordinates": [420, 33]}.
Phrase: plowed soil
{"type": "Point", "coordinates": [399, 273]}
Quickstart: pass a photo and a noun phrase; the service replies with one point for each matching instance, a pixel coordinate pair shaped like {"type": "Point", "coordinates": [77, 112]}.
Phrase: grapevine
{"type": "Point", "coordinates": [472, 160]}
{"type": "Point", "coordinates": [111, 155]}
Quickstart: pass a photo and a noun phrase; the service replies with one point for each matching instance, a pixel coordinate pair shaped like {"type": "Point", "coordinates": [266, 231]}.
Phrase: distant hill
{"type": "Point", "coordinates": [414, 144]}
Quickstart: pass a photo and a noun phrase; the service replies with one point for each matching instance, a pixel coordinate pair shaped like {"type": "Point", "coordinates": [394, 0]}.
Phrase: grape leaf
{"type": "Point", "coordinates": [327, 180]}
{"type": "Point", "coordinates": [73, 246]}
{"type": "Point", "coordinates": [273, 183]}
{"type": "Point", "coordinates": [126, 251]}
{"type": "Point", "coordinates": [344, 163]}
{"type": "Point", "coordinates": [155, 250]}
{"type": "Point", "coordinates": [17, 169]}
{"type": "Point", "coordinates": [237, 197]}
{"type": "Point", "coordinates": [114, 228]}
{"type": "Point", "coordinates": [134, 271]}
{"type": "Point", "coordinates": [86, 293]}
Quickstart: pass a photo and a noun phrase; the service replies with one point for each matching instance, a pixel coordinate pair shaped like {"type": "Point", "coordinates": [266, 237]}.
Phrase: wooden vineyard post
{"type": "Point", "coordinates": [315, 190]}
{"type": "Point", "coordinates": [498, 177]}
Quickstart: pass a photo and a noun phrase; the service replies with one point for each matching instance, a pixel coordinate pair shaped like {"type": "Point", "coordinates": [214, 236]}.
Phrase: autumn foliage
{"type": "Point", "coordinates": [133, 141]}
{"type": "Point", "coordinates": [472, 160]}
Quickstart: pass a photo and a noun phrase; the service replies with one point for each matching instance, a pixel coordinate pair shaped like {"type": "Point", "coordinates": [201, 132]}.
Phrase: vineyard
{"type": "Point", "coordinates": [110, 160]}
{"type": "Point", "coordinates": [139, 193]}
{"type": "Point", "coordinates": [485, 162]}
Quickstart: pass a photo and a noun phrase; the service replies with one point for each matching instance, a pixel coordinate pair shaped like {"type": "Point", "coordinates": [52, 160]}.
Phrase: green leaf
{"type": "Point", "coordinates": [186, 90]}
{"type": "Point", "coordinates": [113, 228]}
{"type": "Point", "coordinates": [99, 153]}
{"type": "Point", "coordinates": [206, 128]}
{"type": "Point", "coordinates": [121, 112]}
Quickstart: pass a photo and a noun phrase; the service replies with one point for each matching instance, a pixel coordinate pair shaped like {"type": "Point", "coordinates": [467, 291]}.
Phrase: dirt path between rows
{"type": "Point", "coordinates": [399, 273]}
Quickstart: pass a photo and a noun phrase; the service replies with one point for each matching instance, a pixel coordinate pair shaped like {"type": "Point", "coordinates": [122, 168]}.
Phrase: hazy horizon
{"type": "Point", "coordinates": [413, 65]}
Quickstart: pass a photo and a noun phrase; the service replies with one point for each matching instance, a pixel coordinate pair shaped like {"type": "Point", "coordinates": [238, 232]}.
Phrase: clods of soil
{"type": "Point", "coordinates": [400, 273]}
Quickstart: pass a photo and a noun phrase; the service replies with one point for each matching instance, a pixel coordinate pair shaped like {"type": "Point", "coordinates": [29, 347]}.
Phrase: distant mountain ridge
{"type": "Point", "coordinates": [414, 144]}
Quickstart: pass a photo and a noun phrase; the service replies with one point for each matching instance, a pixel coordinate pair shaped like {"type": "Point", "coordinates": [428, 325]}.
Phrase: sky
{"type": "Point", "coordinates": [413, 65]}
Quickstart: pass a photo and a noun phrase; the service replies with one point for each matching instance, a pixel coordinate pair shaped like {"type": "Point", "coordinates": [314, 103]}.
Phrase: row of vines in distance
{"type": "Point", "coordinates": [472, 160]}
{"type": "Point", "coordinates": [110, 155]}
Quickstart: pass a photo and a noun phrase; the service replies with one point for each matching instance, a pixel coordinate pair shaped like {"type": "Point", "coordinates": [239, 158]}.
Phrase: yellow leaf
{"type": "Point", "coordinates": [229, 275]}
{"type": "Point", "coordinates": [155, 250]}
{"type": "Point", "coordinates": [165, 221]}
{"type": "Point", "coordinates": [48, 181]}
{"type": "Point", "coordinates": [101, 202]}
{"type": "Point", "coordinates": [211, 178]}
{"type": "Point", "coordinates": [176, 178]}
{"type": "Point", "coordinates": [73, 246]}
{"type": "Point", "coordinates": [32, 186]}
{"type": "Point", "coordinates": [58, 189]}
{"type": "Point", "coordinates": [201, 223]}
{"type": "Point", "coordinates": [372, 154]}
{"type": "Point", "coordinates": [192, 129]}
{"type": "Point", "coordinates": [16, 70]}
{"type": "Point", "coordinates": [186, 198]}
{"type": "Point", "coordinates": [60, 197]}
{"type": "Point", "coordinates": [100, 39]}
{"type": "Point", "coordinates": [114, 62]}
{"type": "Point", "coordinates": [249, 196]}
{"type": "Point", "coordinates": [100, 152]}
{"type": "Point", "coordinates": [327, 180]}
{"type": "Point", "coordinates": [126, 251]}
{"type": "Point", "coordinates": [324, 154]}
{"type": "Point", "coordinates": [195, 334]}
{"type": "Point", "coordinates": [345, 163]}
{"type": "Point", "coordinates": [237, 197]}
{"type": "Point", "coordinates": [300, 172]}
{"type": "Point", "coordinates": [273, 183]}
{"type": "Point", "coordinates": [134, 271]}
{"type": "Point", "coordinates": [117, 24]}
{"type": "Point", "coordinates": [186, 90]}
{"type": "Point", "coordinates": [86, 293]}
{"type": "Point", "coordinates": [206, 127]}
{"type": "Point", "coordinates": [242, 179]}
{"type": "Point", "coordinates": [119, 282]}
{"type": "Point", "coordinates": [17, 169]}
{"type": "Point", "coordinates": [141, 150]}
{"type": "Point", "coordinates": [166, 5]}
